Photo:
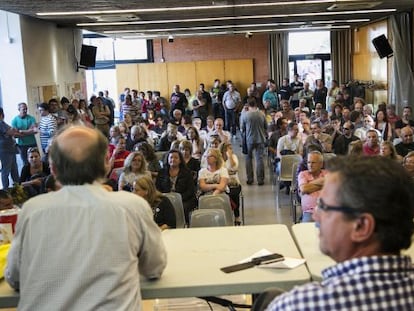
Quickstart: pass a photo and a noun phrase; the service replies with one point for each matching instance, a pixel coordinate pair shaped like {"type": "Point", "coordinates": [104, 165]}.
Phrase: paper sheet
{"type": "Point", "coordinates": [288, 263]}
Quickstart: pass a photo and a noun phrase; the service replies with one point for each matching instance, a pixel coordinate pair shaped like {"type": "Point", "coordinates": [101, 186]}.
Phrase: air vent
{"type": "Point", "coordinates": [114, 17]}
{"type": "Point", "coordinates": [352, 6]}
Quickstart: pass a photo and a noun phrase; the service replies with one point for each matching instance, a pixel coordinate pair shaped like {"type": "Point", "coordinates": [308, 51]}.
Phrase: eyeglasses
{"type": "Point", "coordinates": [344, 209]}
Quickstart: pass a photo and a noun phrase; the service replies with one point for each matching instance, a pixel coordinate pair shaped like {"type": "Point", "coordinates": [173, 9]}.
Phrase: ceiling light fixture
{"type": "Point", "coordinates": [189, 8]}
{"type": "Point", "coordinates": [190, 20]}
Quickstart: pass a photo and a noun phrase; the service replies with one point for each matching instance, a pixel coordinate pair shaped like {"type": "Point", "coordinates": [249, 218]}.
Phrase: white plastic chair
{"type": "Point", "coordinates": [177, 203]}
{"type": "Point", "coordinates": [217, 201]}
{"type": "Point", "coordinates": [208, 218]}
{"type": "Point", "coordinates": [285, 172]}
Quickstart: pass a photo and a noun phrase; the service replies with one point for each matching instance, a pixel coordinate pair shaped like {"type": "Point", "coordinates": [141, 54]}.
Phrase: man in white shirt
{"type": "Point", "coordinates": [83, 247]}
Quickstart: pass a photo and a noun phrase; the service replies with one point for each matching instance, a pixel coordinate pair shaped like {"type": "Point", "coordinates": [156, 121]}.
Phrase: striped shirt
{"type": "Point", "coordinates": [47, 128]}
{"type": "Point", "coordinates": [379, 283]}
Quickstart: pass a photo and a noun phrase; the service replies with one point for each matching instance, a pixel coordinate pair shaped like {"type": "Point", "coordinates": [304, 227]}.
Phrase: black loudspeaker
{"type": "Point", "coordinates": [382, 46]}
{"type": "Point", "coordinates": [88, 56]}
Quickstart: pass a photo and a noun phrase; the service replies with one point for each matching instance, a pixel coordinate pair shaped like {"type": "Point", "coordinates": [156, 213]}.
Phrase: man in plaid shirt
{"type": "Point", "coordinates": [365, 215]}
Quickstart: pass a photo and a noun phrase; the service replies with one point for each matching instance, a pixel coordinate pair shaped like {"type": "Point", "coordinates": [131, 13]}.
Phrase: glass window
{"type": "Point", "coordinates": [130, 49]}
{"type": "Point", "coordinates": [309, 42]}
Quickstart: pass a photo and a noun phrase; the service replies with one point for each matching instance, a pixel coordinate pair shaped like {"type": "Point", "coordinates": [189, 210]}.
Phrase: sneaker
{"type": "Point", "coordinates": [249, 182]}
{"type": "Point", "coordinates": [260, 183]}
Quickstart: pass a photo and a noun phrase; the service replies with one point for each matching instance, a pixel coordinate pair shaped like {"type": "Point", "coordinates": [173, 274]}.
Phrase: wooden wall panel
{"type": "Point", "coordinates": [183, 74]}
{"type": "Point", "coordinates": [367, 64]}
{"type": "Point", "coordinates": [240, 71]}
{"type": "Point", "coordinates": [208, 71]}
{"type": "Point", "coordinates": [127, 76]}
{"type": "Point", "coordinates": [163, 76]}
{"type": "Point", "coordinates": [154, 77]}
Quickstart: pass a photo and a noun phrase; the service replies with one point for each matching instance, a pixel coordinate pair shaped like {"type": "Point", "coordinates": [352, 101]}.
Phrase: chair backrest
{"type": "Point", "coordinates": [294, 177]}
{"type": "Point", "coordinates": [286, 163]}
{"type": "Point", "coordinates": [208, 218]}
{"type": "Point", "coordinates": [217, 201]}
{"type": "Point", "coordinates": [177, 203]}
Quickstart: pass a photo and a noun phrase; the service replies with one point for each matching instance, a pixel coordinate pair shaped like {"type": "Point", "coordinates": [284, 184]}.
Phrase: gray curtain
{"type": "Point", "coordinates": [341, 44]}
{"type": "Point", "coordinates": [279, 56]}
{"type": "Point", "coordinates": [401, 90]}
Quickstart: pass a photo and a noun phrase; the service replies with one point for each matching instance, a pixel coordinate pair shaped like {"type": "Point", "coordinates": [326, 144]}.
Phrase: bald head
{"type": "Point", "coordinates": [78, 156]}
{"type": "Point", "coordinates": [75, 142]}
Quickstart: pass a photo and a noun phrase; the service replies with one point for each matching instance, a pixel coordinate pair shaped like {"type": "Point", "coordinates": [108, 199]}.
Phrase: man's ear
{"type": "Point", "coordinates": [364, 228]}
{"type": "Point", "coordinates": [53, 169]}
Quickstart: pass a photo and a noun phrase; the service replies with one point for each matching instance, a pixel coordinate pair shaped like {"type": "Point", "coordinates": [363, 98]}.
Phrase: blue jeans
{"type": "Point", "coordinates": [230, 116]}
{"type": "Point", "coordinates": [307, 217]}
{"type": "Point", "coordinates": [258, 149]}
{"type": "Point", "coordinates": [9, 166]}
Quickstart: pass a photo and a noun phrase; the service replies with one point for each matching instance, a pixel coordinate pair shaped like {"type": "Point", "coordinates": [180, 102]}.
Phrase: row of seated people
{"type": "Point", "coordinates": [310, 174]}
{"type": "Point", "coordinates": [178, 171]}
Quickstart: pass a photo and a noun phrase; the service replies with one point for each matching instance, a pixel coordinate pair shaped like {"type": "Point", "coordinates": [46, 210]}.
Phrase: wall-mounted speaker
{"type": "Point", "coordinates": [382, 46]}
{"type": "Point", "coordinates": [88, 56]}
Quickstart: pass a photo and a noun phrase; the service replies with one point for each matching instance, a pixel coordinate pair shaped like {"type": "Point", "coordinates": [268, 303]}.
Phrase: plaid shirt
{"type": "Point", "coordinates": [366, 283]}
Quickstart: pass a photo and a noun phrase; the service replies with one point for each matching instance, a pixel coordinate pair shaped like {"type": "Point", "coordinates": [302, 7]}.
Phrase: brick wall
{"type": "Point", "coordinates": [216, 48]}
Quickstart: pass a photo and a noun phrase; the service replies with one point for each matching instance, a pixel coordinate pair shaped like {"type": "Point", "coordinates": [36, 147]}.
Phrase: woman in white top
{"type": "Point", "coordinates": [231, 163]}
{"type": "Point", "coordinates": [214, 178]}
{"type": "Point", "coordinates": [135, 167]}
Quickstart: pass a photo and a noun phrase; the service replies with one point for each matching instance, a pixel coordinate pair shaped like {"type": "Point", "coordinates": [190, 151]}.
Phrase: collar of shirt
{"type": "Point", "coordinates": [371, 264]}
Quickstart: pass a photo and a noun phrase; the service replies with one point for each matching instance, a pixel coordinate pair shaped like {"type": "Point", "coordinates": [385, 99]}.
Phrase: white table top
{"type": "Point", "coordinates": [306, 237]}
{"type": "Point", "coordinates": [196, 255]}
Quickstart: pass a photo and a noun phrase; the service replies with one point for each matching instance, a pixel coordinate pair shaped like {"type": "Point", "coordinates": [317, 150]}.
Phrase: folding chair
{"type": "Point", "coordinates": [285, 172]}
{"type": "Point", "coordinates": [177, 203]}
{"type": "Point", "coordinates": [217, 201]}
{"type": "Point", "coordinates": [207, 218]}
{"type": "Point", "coordinates": [294, 191]}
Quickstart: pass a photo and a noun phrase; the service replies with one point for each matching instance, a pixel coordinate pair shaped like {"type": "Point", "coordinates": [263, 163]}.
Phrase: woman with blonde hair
{"type": "Point", "coordinates": [355, 148]}
{"type": "Point", "coordinates": [164, 214]}
{"type": "Point", "coordinates": [231, 162]}
{"type": "Point", "coordinates": [135, 167]}
{"type": "Point", "coordinates": [214, 178]}
{"type": "Point", "coordinates": [387, 149]}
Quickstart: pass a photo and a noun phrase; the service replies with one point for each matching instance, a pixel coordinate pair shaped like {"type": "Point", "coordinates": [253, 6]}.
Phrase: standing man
{"type": "Point", "coordinates": [7, 152]}
{"type": "Point", "coordinates": [253, 124]}
{"type": "Point", "coordinates": [320, 93]}
{"type": "Point", "coordinates": [285, 92]}
{"type": "Point", "coordinates": [215, 99]}
{"type": "Point", "coordinates": [178, 100]}
{"type": "Point", "coordinates": [364, 223]}
{"type": "Point", "coordinates": [270, 98]}
{"type": "Point", "coordinates": [231, 99]}
{"type": "Point", "coordinates": [296, 87]}
{"type": "Point", "coordinates": [88, 251]}
{"type": "Point", "coordinates": [26, 125]}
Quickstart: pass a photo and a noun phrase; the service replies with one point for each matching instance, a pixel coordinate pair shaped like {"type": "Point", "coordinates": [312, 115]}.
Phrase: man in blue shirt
{"type": "Point", "coordinates": [270, 98]}
{"type": "Point", "coordinates": [27, 127]}
{"type": "Point", "coordinates": [365, 218]}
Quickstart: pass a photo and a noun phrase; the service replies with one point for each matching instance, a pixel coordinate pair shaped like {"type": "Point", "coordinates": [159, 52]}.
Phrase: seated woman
{"type": "Point", "coordinates": [153, 164]}
{"type": "Point", "coordinates": [164, 214]}
{"type": "Point", "coordinates": [214, 178]}
{"type": "Point", "coordinates": [231, 163]}
{"type": "Point", "coordinates": [176, 177]}
{"type": "Point", "coordinates": [192, 163]}
{"type": "Point", "coordinates": [135, 167]}
{"type": "Point", "coordinates": [214, 141]}
{"type": "Point", "coordinates": [123, 129]}
{"type": "Point", "coordinates": [33, 174]}
{"type": "Point", "coordinates": [196, 141]}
